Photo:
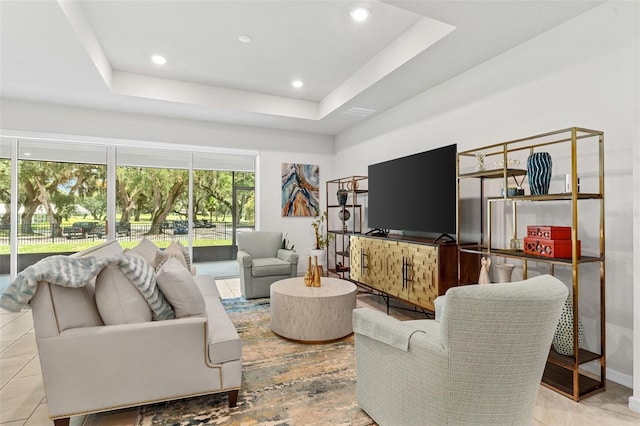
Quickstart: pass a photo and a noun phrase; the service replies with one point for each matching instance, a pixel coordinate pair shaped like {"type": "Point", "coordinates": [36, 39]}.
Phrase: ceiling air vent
{"type": "Point", "coordinates": [359, 112]}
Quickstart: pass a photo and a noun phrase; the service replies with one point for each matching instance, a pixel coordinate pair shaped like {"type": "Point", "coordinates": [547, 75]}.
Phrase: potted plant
{"type": "Point", "coordinates": [321, 240]}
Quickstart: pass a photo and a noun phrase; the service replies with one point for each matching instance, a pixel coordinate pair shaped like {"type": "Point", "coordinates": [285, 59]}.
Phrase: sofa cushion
{"type": "Point", "coordinates": [177, 245]}
{"type": "Point", "coordinates": [179, 288]}
{"type": "Point", "coordinates": [118, 300]}
{"type": "Point", "coordinates": [105, 249]}
{"type": "Point", "coordinates": [147, 249]}
{"type": "Point", "coordinates": [74, 307]}
{"type": "Point", "coordinates": [265, 267]}
{"type": "Point", "coordinates": [175, 250]}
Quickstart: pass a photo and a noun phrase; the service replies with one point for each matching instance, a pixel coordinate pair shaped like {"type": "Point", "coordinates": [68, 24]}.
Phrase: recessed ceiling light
{"type": "Point", "coordinates": [244, 38]}
{"type": "Point", "coordinates": [160, 60]}
{"type": "Point", "coordinates": [360, 14]}
{"type": "Point", "coordinates": [297, 84]}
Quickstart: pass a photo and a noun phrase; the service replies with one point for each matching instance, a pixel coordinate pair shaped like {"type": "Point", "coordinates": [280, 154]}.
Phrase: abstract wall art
{"type": "Point", "coordinates": [300, 189]}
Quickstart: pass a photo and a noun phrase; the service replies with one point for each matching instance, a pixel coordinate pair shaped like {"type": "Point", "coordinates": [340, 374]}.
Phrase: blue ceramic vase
{"type": "Point", "coordinates": [539, 172]}
{"type": "Point", "coordinates": [342, 195]}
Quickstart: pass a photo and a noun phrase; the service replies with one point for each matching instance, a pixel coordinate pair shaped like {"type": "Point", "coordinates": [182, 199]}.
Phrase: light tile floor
{"type": "Point", "coordinates": [23, 401]}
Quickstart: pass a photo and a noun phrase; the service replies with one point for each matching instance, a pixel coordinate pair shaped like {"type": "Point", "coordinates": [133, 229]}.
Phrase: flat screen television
{"type": "Point", "coordinates": [416, 193]}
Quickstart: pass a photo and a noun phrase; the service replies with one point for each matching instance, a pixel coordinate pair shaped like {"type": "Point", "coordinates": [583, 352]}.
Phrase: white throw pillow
{"type": "Point", "coordinates": [179, 288]}
{"type": "Point", "coordinates": [74, 307]}
{"type": "Point", "coordinates": [147, 249]}
{"type": "Point", "coordinates": [106, 249]}
{"type": "Point", "coordinates": [118, 300]}
{"type": "Point", "coordinates": [175, 249]}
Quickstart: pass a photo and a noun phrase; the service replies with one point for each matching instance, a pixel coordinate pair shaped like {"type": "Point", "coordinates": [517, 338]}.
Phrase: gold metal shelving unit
{"type": "Point", "coordinates": [357, 187]}
{"type": "Point", "coordinates": [562, 373]}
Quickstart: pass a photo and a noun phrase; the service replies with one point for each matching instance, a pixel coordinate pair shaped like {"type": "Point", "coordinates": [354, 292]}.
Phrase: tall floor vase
{"type": "Point", "coordinates": [563, 338]}
{"type": "Point", "coordinates": [539, 172]}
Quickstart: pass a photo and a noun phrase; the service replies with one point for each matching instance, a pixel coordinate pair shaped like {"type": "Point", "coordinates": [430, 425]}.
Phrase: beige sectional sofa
{"type": "Point", "coordinates": [91, 364]}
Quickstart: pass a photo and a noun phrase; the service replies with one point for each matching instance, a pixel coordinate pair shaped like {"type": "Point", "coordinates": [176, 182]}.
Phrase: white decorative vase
{"type": "Point", "coordinates": [504, 272]}
{"type": "Point", "coordinates": [563, 338]}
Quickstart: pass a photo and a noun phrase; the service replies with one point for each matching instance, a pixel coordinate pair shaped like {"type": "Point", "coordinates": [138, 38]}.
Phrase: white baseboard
{"type": "Point", "coordinates": [613, 375]}
{"type": "Point", "coordinates": [634, 404]}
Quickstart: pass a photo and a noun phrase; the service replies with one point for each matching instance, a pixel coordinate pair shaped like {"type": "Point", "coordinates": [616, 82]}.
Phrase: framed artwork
{"type": "Point", "coordinates": [300, 189]}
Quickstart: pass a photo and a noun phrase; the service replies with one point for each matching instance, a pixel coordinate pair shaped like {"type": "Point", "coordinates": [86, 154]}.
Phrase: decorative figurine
{"type": "Point", "coordinates": [484, 271]}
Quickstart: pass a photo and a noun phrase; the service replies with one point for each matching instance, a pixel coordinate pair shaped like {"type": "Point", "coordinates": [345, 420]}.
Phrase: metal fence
{"type": "Point", "coordinates": [95, 231]}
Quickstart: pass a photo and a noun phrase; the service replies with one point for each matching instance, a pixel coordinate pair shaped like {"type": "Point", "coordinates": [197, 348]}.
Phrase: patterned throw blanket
{"type": "Point", "coordinates": [77, 272]}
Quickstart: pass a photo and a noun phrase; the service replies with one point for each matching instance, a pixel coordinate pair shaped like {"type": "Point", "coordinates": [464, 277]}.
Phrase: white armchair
{"type": "Point", "coordinates": [262, 262]}
{"type": "Point", "coordinates": [481, 364]}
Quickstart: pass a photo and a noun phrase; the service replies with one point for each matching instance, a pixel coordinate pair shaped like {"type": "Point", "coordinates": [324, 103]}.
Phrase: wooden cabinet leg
{"type": "Point", "coordinates": [61, 422]}
{"type": "Point", "coordinates": [233, 398]}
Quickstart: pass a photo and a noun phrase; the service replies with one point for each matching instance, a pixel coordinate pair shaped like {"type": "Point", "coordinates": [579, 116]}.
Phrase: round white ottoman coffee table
{"type": "Point", "coordinates": [312, 314]}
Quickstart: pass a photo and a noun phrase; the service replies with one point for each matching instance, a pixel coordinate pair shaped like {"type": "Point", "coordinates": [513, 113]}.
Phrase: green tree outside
{"type": "Point", "coordinates": [55, 192]}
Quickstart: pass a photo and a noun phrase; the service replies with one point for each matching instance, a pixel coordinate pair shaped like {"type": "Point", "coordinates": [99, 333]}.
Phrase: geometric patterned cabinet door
{"type": "Point", "coordinates": [415, 272]}
{"type": "Point", "coordinates": [381, 276]}
{"type": "Point", "coordinates": [423, 287]}
{"type": "Point", "coordinates": [357, 271]}
{"type": "Point", "coordinates": [369, 264]}
{"type": "Point", "coordinates": [393, 277]}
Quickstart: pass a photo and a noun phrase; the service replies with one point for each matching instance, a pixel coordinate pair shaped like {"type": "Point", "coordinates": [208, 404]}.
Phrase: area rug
{"type": "Point", "coordinates": [283, 382]}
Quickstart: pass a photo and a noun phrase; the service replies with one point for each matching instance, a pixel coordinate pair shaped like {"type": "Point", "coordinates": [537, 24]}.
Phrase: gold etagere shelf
{"type": "Point", "coordinates": [562, 373]}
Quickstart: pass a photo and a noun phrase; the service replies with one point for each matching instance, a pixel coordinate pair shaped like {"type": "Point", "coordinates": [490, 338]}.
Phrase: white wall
{"type": "Point", "coordinates": [578, 74]}
{"type": "Point", "coordinates": [634, 401]}
{"type": "Point", "coordinates": [46, 118]}
{"type": "Point", "coordinates": [298, 229]}
{"type": "Point", "coordinates": [282, 147]}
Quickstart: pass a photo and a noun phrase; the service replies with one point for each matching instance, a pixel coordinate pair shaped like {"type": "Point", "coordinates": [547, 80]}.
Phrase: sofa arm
{"type": "Point", "coordinates": [399, 386]}
{"type": "Point", "coordinates": [288, 256]}
{"type": "Point", "coordinates": [90, 368]}
{"type": "Point", "coordinates": [244, 259]}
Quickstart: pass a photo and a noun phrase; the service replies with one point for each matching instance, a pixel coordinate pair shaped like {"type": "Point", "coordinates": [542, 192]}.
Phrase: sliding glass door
{"type": "Point", "coordinates": [152, 196]}
{"type": "Point", "coordinates": [244, 200]}
{"type": "Point", "coordinates": [61, 196]}
{"type": "Point", "coordinates": [73, 195]}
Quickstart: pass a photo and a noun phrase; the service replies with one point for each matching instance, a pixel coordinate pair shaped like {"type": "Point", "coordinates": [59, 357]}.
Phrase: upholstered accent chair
{"type": "Point", "coordinates": [481, 364]}
{"type": "Point", "coordinates": [262, 262]}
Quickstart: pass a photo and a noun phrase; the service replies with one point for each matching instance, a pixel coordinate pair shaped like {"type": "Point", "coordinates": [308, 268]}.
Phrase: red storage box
{"type": "Point", "coordinates": [544, 232]}
{"type": "Point", "coordinates": [557, 249]}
